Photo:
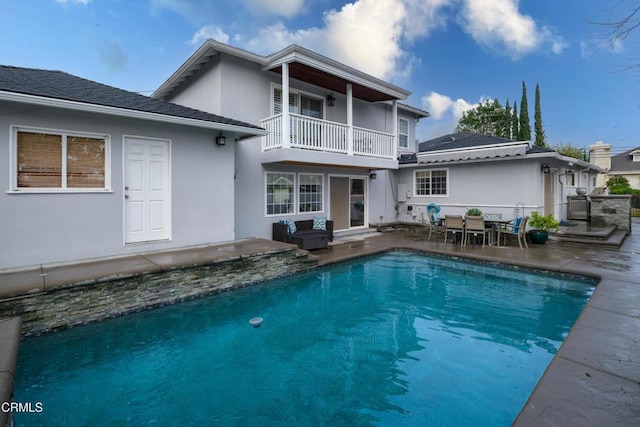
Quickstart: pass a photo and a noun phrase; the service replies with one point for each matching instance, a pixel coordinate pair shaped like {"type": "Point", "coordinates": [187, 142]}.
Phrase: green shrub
{"type": "Point", "coordinates": [543, 222]}
{"type": "Point", "coordinates": [474, 212]}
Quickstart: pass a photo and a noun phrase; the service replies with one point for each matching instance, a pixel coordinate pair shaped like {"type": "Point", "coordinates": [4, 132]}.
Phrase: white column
{"type": "Point", "coordinates": [286, 121]}
{"type": "Point", "coordinates": [394, 127]}
{"type": "Point", "coordinates": [349, 119]}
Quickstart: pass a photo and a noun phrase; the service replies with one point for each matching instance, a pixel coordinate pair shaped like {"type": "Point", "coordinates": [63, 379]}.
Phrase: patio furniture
{"type": "Point", "coordinates": [474, 225]}
{"type": "Point", "coordinates": [434, 223]}
{"type": "Point", "coordinates": [453, 224]}
{"type": "Point", "coordinates": [516, 228]}
{"type": "Point", "coordinates": [305, 236]}
{"type": "Point", "coordinates": [493, 221]}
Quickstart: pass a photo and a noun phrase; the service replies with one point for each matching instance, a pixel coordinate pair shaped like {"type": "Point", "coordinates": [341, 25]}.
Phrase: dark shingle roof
{"type": "Point", "coordinates": [460, 140]}
{"type": "Point", "coordinates": [61, 85]}
{"type": "Point", "coordinates": [624, 162]}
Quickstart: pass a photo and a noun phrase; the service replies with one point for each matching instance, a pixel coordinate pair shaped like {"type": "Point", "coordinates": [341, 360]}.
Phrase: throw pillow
{"type": "Point", "coordinates": [291, 226]}
{"type": "Point", "coordinates": [320, 223]}
{"type": "Point", "coordinates": [516, 225]}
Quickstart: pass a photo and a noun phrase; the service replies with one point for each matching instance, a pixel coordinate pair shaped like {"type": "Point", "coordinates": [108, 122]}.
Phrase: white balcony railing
{"type": "Point", "coordinates": [308, 133]}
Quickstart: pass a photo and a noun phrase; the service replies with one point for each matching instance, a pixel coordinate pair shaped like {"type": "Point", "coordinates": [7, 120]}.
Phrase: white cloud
{"type": "Point", "coordinates": [287, 8]}
{"type": "Point", "coordinates": [591, 48]}
{"type": "Point", "coordinates": [445, 115]}
{"type": "Point", "coordinates": [209, 32]}
{"type": "Point", "coordinates": [366, 34]}
{"type": "Point", "coordinates": [441, 105]}
{"type": "Point", "coordinates": [499, 25]}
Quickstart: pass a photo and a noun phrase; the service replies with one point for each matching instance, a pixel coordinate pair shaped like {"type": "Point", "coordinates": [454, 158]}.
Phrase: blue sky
{"type": "Point", "coordinates": [451, 54]}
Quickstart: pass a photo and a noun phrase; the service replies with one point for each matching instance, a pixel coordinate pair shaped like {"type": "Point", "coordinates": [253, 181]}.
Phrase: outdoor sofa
{"type": "Point", "coordinates": [307, 234]}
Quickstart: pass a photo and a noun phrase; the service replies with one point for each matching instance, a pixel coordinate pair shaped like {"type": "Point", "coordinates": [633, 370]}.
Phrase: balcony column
{"type": "Point", "coordinates": [394, 128]}
{"type": "Point", "coordinates": [349, 119]}
{"type": "Point", "coordinates": [286, 118]}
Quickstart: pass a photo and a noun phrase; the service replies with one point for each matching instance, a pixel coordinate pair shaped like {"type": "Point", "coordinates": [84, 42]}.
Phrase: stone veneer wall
{"type": "Point", "coordinates": [611, 210]}
{"type": "Point", "coordinates": [81, 304]}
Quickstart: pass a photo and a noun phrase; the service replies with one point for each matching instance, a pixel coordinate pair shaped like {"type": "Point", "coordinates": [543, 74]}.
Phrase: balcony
{"type": "Point", "coordinates": [323, 142]}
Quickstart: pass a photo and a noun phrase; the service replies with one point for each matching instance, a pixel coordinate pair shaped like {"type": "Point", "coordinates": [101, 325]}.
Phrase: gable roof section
{"type": "Point", "coordinates": [63, 90]}
{"type": "Point", "coordinates": [623, 162]}
{"type": "Point", "coordinates": [304, 65]}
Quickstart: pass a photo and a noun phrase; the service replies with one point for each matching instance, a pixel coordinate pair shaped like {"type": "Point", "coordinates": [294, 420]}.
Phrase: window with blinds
{"type": "Point", "coordinates": [59, 161]}
{"type": "Point", "coordinates": [298, 104]}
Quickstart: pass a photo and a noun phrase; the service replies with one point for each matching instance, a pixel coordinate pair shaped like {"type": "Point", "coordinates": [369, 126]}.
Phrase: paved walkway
{"type": "Point", "coordinates": [594, 379]}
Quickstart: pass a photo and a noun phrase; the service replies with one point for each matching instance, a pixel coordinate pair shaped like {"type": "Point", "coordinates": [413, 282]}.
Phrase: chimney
{"type": "Point", "coordinates": [600, 155]}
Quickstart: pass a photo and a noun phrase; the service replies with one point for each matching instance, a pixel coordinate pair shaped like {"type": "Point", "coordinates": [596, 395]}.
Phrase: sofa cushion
{"type": "Point", "coordinates": [320, 223]}
{"type": "Point", "coordinates": [291, 226]}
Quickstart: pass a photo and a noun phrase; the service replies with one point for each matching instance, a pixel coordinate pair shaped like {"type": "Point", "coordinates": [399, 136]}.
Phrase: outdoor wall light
{"type": "Point", "coordinates": [545, 168]}
{"type": "Point", "coordinates": [220, 139]}
{"type": "Point", "coordinates": [331, 100]}
{"type": "Point", "coordinates": [373, 174]}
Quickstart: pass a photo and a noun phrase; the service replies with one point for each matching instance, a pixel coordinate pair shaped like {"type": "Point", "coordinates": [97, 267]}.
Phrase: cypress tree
{"type": "Point", "coordinates": [514, 122]}
{"type": "Point", "coordinates": [525, 127]}
{"type": "Point", "coordinates": [540, 136]}
{"type": "Point", "coordinates": [507, 121]}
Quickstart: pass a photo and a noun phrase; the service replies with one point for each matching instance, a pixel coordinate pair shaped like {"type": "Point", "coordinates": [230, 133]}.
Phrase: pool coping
{"type": "Point", "coordinates": [588, 382]}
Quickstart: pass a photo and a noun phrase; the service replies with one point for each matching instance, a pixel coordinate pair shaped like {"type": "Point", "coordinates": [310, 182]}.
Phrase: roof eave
{"type": "Point", "coordinates": [295, 53]}
{"type": "Point", "coordinates": [209, 48]}
{"type": "Point", "coordinates": [128, 113]}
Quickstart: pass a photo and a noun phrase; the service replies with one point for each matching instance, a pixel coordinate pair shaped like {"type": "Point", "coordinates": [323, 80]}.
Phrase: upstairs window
{"type": "Point", "coordinates": [298, 104]}
{"type": "Point", "coordinates": [403, 133]}
{"type": "Point", "coordinates": [431, 182]}
{"type": "Point", "coordinates": [59, 161]}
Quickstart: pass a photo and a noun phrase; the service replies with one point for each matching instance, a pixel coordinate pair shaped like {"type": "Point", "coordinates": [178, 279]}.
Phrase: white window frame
{"type": "Point", "coordinates": [298, 94]}
{"type": "Point", "coordinates": [322, 193]}
{"type": "Point", "coordinates": [293, 193]}
{"type": "Point", "coordinates": [571, 179]}
{"type": "Point", "coordinates": [13, 169]}
{"type": "Point", "coordinates": [401, 134]}
{"type": "Point", "coordinates": [415, 186]}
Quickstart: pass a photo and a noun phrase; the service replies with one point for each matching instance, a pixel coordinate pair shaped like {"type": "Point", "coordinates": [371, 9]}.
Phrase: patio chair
{"type": "Point", "coordinates": [435, 224]}
{"type": "Point", "coordinates": [516, 228]}
{"type": "Point", "coordinates": [453, 224]}
{"type": "Point", "coordinates": [474, 225]}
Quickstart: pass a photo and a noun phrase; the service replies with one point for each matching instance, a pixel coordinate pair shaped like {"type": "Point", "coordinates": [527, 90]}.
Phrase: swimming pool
{"type": "Point", "coordinates": [400, 338]}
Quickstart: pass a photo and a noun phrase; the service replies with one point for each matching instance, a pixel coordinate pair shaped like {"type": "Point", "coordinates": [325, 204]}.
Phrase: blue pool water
{"type": "Point", "coordinates": [397, 339]}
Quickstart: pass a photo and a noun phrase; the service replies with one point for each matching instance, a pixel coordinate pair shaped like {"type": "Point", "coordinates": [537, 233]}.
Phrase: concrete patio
{"type": "Point", "coordinates": [594, 379]}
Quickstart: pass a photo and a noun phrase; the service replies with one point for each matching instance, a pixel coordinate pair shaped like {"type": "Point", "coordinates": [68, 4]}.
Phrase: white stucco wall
{"type": "Point", "coordinates": [44, 228]}
{"type": "Point", "coordinates": [245, 94]}
{"type": "Point", "coordinates": [496, 186]}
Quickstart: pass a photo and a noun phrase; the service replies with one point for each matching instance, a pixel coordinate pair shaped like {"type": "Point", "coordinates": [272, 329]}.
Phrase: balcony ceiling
{"type": "Point", "coordinates": [332, 83]}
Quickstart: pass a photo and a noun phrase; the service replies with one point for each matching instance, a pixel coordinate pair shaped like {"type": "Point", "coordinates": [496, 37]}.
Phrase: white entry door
{"type": "Point", "coordinates": [147, 207]}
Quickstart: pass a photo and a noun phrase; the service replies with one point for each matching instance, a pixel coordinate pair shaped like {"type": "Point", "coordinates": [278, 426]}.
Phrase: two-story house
{"type": "Point", "coordinates": [341, 130]}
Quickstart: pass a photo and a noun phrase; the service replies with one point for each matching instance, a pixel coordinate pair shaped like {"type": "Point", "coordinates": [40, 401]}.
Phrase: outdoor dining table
{"type": "Point", "coordinates": [496, 224]}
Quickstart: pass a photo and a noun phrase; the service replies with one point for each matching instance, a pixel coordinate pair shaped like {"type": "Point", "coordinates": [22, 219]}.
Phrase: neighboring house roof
{"type": "Point", "coordinates": [304, 65]}
{"type": "Point", "coordinates": [623, 162]}
{"type": "Point", "coordinates": [469, 146]}
{"type": "Point", "coordinates": [60, 89]}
